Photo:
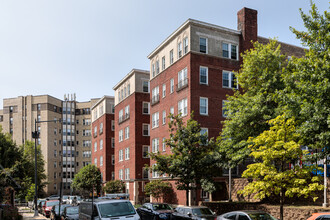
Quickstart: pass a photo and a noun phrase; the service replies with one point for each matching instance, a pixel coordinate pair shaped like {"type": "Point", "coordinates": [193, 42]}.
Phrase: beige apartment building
{"type": "Point", "coordinates": [65, 133]}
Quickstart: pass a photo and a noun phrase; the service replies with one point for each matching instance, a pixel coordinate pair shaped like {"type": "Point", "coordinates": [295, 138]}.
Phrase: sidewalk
{"type": "Point", "coordinates": [28, 214]}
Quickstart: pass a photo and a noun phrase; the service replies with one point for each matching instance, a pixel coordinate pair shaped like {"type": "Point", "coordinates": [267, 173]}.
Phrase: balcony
{"type": "Point", "coordinates": [182, 84]}
{"type": "Point", "coordinates": [155, 99]}
{"type": "Point", "coordinates": [123, 118]}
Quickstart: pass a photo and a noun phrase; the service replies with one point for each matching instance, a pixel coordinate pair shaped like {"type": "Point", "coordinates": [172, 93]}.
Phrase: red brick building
{"type": "Point", "coordinates": [192, 71]}
{"type": "Point", "coordinates": [103, 141]}
{"type": "Point", "coordinates": [132, 121]}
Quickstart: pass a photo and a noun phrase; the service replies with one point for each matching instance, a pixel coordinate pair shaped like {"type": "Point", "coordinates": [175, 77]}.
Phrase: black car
{"type": "Point", "coordinates": [246, 215]}
{"type": "Point", "coordinates": [71, 213]}
{"type": "Point", "coordinates": [55, 213]}
{"type": "Point", "coordinates": [155, 211]}
{"type": "Point", "coordinates": [193, 212]}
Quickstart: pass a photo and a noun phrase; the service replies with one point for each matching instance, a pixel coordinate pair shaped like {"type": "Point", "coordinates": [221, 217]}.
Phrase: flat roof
{"type": "Point", "coordinates": [129, 75]}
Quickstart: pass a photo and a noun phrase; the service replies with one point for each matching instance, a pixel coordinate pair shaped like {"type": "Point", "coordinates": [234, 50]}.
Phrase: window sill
{"type": "Point", "coordinates": [203, 114]}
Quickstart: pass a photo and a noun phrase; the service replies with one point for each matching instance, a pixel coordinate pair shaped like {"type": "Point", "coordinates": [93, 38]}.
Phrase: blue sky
{"type": "Point", "coordinates": [85, 47]}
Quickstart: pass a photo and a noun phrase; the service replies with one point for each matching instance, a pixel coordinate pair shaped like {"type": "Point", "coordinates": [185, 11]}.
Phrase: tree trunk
{"type": "Point", "coordinates": [187, 197]}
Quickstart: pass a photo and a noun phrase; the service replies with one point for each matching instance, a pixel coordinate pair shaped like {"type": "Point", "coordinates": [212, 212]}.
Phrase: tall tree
{"type": "Point", "coordinates": [87, 179]}
{"type": "Point", "coordinates": [309, 84]}
{"type": "Point", "coordinates": [274, 150]}
{"type": "Point", "coordinates": [192, 162]}
{"type": "Point", "coordinates": [258, 100]}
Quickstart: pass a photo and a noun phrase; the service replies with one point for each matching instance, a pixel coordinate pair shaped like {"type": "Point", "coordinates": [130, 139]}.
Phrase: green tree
{"type": "Point", "coordinates": [114, 186]}
{"type": "Point", "coordinates": [274, 150]}
{"type": "Point", "coordinates": [258, 100]}
{"type": "Point", "coordinates": [30, 193]}
{"type": "Point", "coordinates": [309, 83]}
{"type": "Point", "coordinates": [87, 179]}
{"type": "Point", "coordinates": [157, 188]}
{"type": "Point", "coordinates": [192, 161]}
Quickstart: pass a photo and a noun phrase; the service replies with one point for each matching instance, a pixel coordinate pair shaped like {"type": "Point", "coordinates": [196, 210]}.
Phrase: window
{"type": "Point", "coordinates": [55, 164]}
{"type": "Point", "coordinates": [95, 146]}
{"type": "Point", "coordinates": [113, 142]}
{"type": "Point", "coordinates": [203, 75]}
{"type": "Point", "coordinates": [229, 80]}
{"type": "Point", "coordinates": [121, 113]}
{"type": "Point", "coordinates": [55, 175]}
{"type": "Point", "coordinates": [39, 107]}
{"type": "Point", "coordinates": [155, 145]}
{"type": "Point", "coordinates": [101, 161]}
{"type": "Point", "coordinates": [224, 110]}
{"type": "Point", "coordinates": [101, 144]}
{"type": "Point", "coordinates": [145, 151]}
{"type": "Point", "coordinates": [183, 107]}
{"type": "Point", "coordinates": [203, 45]}
{"type": "Point", "coordinates": [172, 85]}
{"type": "Point", "coordinates": [127, 112]}
{"type": "Point", "coordinates": [145, 173]}
{"type": "Point", "coordinates": [112, 125]}
{"type": "Point", "coordinates": [127, 174]}
{"type": "Point", "coordinates": [203, 106]}
{"type": "Point", "coordinates": [164, 90]}
{"type": "Point", "coordinates": [145, 128]}
{"type": "Point", "coordinates": [172, 110]}
{"type": "Point", "coordinates": [229, 51]}
{"type": "Point", "coordinates": [87, 154]}
{"type": "Point", "coordinates": [171, 57]}
{"type": "Point", "coordinates": [86, 132]}
{"type": "Point", "coordinates": [204, 131]}
{"type": "Point", "coordinates": [163, 62]}
{"type": "Point", "coordinates": [121, 174]}
{"type": "Point", "coordinates": [145, 86]}
{"type": "Point", "coordinates": [179, 49]}
{"type": "Point", "coordinates": [157, 67]}
{"type": "Point", "coordinates": [113, 159]}
{"type": "Point", "coordinates": [182, 78]}
{"type": "Point", "coordinates": [55, 153]}
{"type": "Point", "coordinates": [120, 135]}
{"type": "Point", "coordinates": [55, 142]}
{"type": "Point", "coordinates": [11, 120]}
{"type": "Point", "coordinates": [155, 120]}
{"type": "Point", "coordinates": [164, 144]}
{"type": "Point", "coordinates": [146, 107]}
{"type": "Point", "coordinates": [95, 131]}
{"type": "Point", "coordinates": [120, 155]}
{"type": "Point", "coordinates": [55, 131]}
{"type": "Point", "coordinates": [164, 117]}
{"type": "Point", "coordinates": [153, 70]}
{"type": "Point", "coordinates": [155, 94]}
{"type": "Point", "coordinates": [185, 45]}
{"type": "Point", "coordinates": [101, 128]}
{"type": "Point", "coordinates": [127, 132]}
{"type": "Point", "coordinates": [155, 173]}
{"type": "Point", "coordinates": [127, 153]}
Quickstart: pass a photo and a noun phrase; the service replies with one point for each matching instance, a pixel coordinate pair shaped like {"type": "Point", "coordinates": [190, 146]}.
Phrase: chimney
{"type": "Point", "coordinates": [247, 23]}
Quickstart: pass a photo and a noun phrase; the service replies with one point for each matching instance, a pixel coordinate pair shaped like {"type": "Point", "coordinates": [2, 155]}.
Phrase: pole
{"type": "Point", "coordinates": [325, 204]}
{"type": "Point", "coordinates": [35, 169]}
{"type": "Point", "coordinates": [229, 184]}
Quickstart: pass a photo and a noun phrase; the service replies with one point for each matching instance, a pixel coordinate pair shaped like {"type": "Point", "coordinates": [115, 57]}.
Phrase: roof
{"type": "Point", "coordinates": [187, 23]}
{"type": "Point", "coordinates": [129, 75]}
{"type": "Point", "coordinates": [101, 99]}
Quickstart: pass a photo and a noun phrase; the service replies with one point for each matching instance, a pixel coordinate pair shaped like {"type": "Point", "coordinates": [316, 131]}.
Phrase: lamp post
{"type": "Point", "coordinates": [36, 135]}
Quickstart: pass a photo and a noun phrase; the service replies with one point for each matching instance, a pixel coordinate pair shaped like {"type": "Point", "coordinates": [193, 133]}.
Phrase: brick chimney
{"type": "Point", "coordinates": [247, 23]}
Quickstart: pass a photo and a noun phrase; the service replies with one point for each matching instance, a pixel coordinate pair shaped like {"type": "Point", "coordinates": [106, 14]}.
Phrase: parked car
{"type": "Point", "coordinates": [70, 213]}
{"type": "Point", "coordinates": [40, 203]}
{"type": "Point", "coordinates": [108, 209]}
{"type": "Point", "coordinates": [246, 215]}
{"type": "Point", "coordinates": [320, 216]}
{"type": "Point", "coordinates": [55, 212]}
{"type": "Point", "coordinates": [48, 206]}
{"type": "Point", "coordinates": [193, 212]}
{"type": "Point", "coordinates": [154, 211]}
{"type": "Point", "coordinates": [70, 200]}
{"type": "Point", "coordinates": [65, 199]}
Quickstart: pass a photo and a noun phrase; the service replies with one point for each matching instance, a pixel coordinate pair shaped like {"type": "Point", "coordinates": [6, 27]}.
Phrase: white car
{"type": "Point", "coordinates": [71, 198]}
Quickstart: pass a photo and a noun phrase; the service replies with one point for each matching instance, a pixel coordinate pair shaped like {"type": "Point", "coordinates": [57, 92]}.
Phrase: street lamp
{"type": "Point", "coordinates": [36, 135]}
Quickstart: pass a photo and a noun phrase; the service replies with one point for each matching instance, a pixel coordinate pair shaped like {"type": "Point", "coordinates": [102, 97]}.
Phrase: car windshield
{"type": "Point", "coordinates": [161, 207]}
{"type": "Point", "coordinates": [261, 216]}
{"type": "Point", "coordinates": [52, 203]}
{"type": "Point", "coordinates": [114, 209]}
{"type": "Point", "coordinates": [72, 210]}
{"type": "Point", "coordinates": [202, 211]}
{"type": "Point", "coordinates": [65, 197]}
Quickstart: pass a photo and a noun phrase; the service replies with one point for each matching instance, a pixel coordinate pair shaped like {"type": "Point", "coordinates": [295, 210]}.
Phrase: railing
{"type": "Point", "coordinates": [182, 84]}
{"type": "Point", "coordinates": [123, 118]}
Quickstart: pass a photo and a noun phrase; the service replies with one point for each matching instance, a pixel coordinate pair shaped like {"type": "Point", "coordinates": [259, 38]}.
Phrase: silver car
{"type": "Point", "coordinates": [246, 215]}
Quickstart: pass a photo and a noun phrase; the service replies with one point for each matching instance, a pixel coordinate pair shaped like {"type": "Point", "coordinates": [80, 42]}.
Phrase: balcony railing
{"type": "Point", "coordinates": [155, 99]}
{"type": "Point", "coordinates": [123, 118]}
{"type": "Point", "coordinates": [182, 84]}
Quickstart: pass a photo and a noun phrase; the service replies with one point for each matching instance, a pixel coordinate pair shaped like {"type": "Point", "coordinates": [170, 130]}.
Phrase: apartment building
{"type": "Point", "coordinates": [65, 133]}
{"type": "Point", "coordinates": [103, 139]}
{"type": "Point", "coordinates": [193, 71]}
{"type": "Point", "coordinates": [132, 121]}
